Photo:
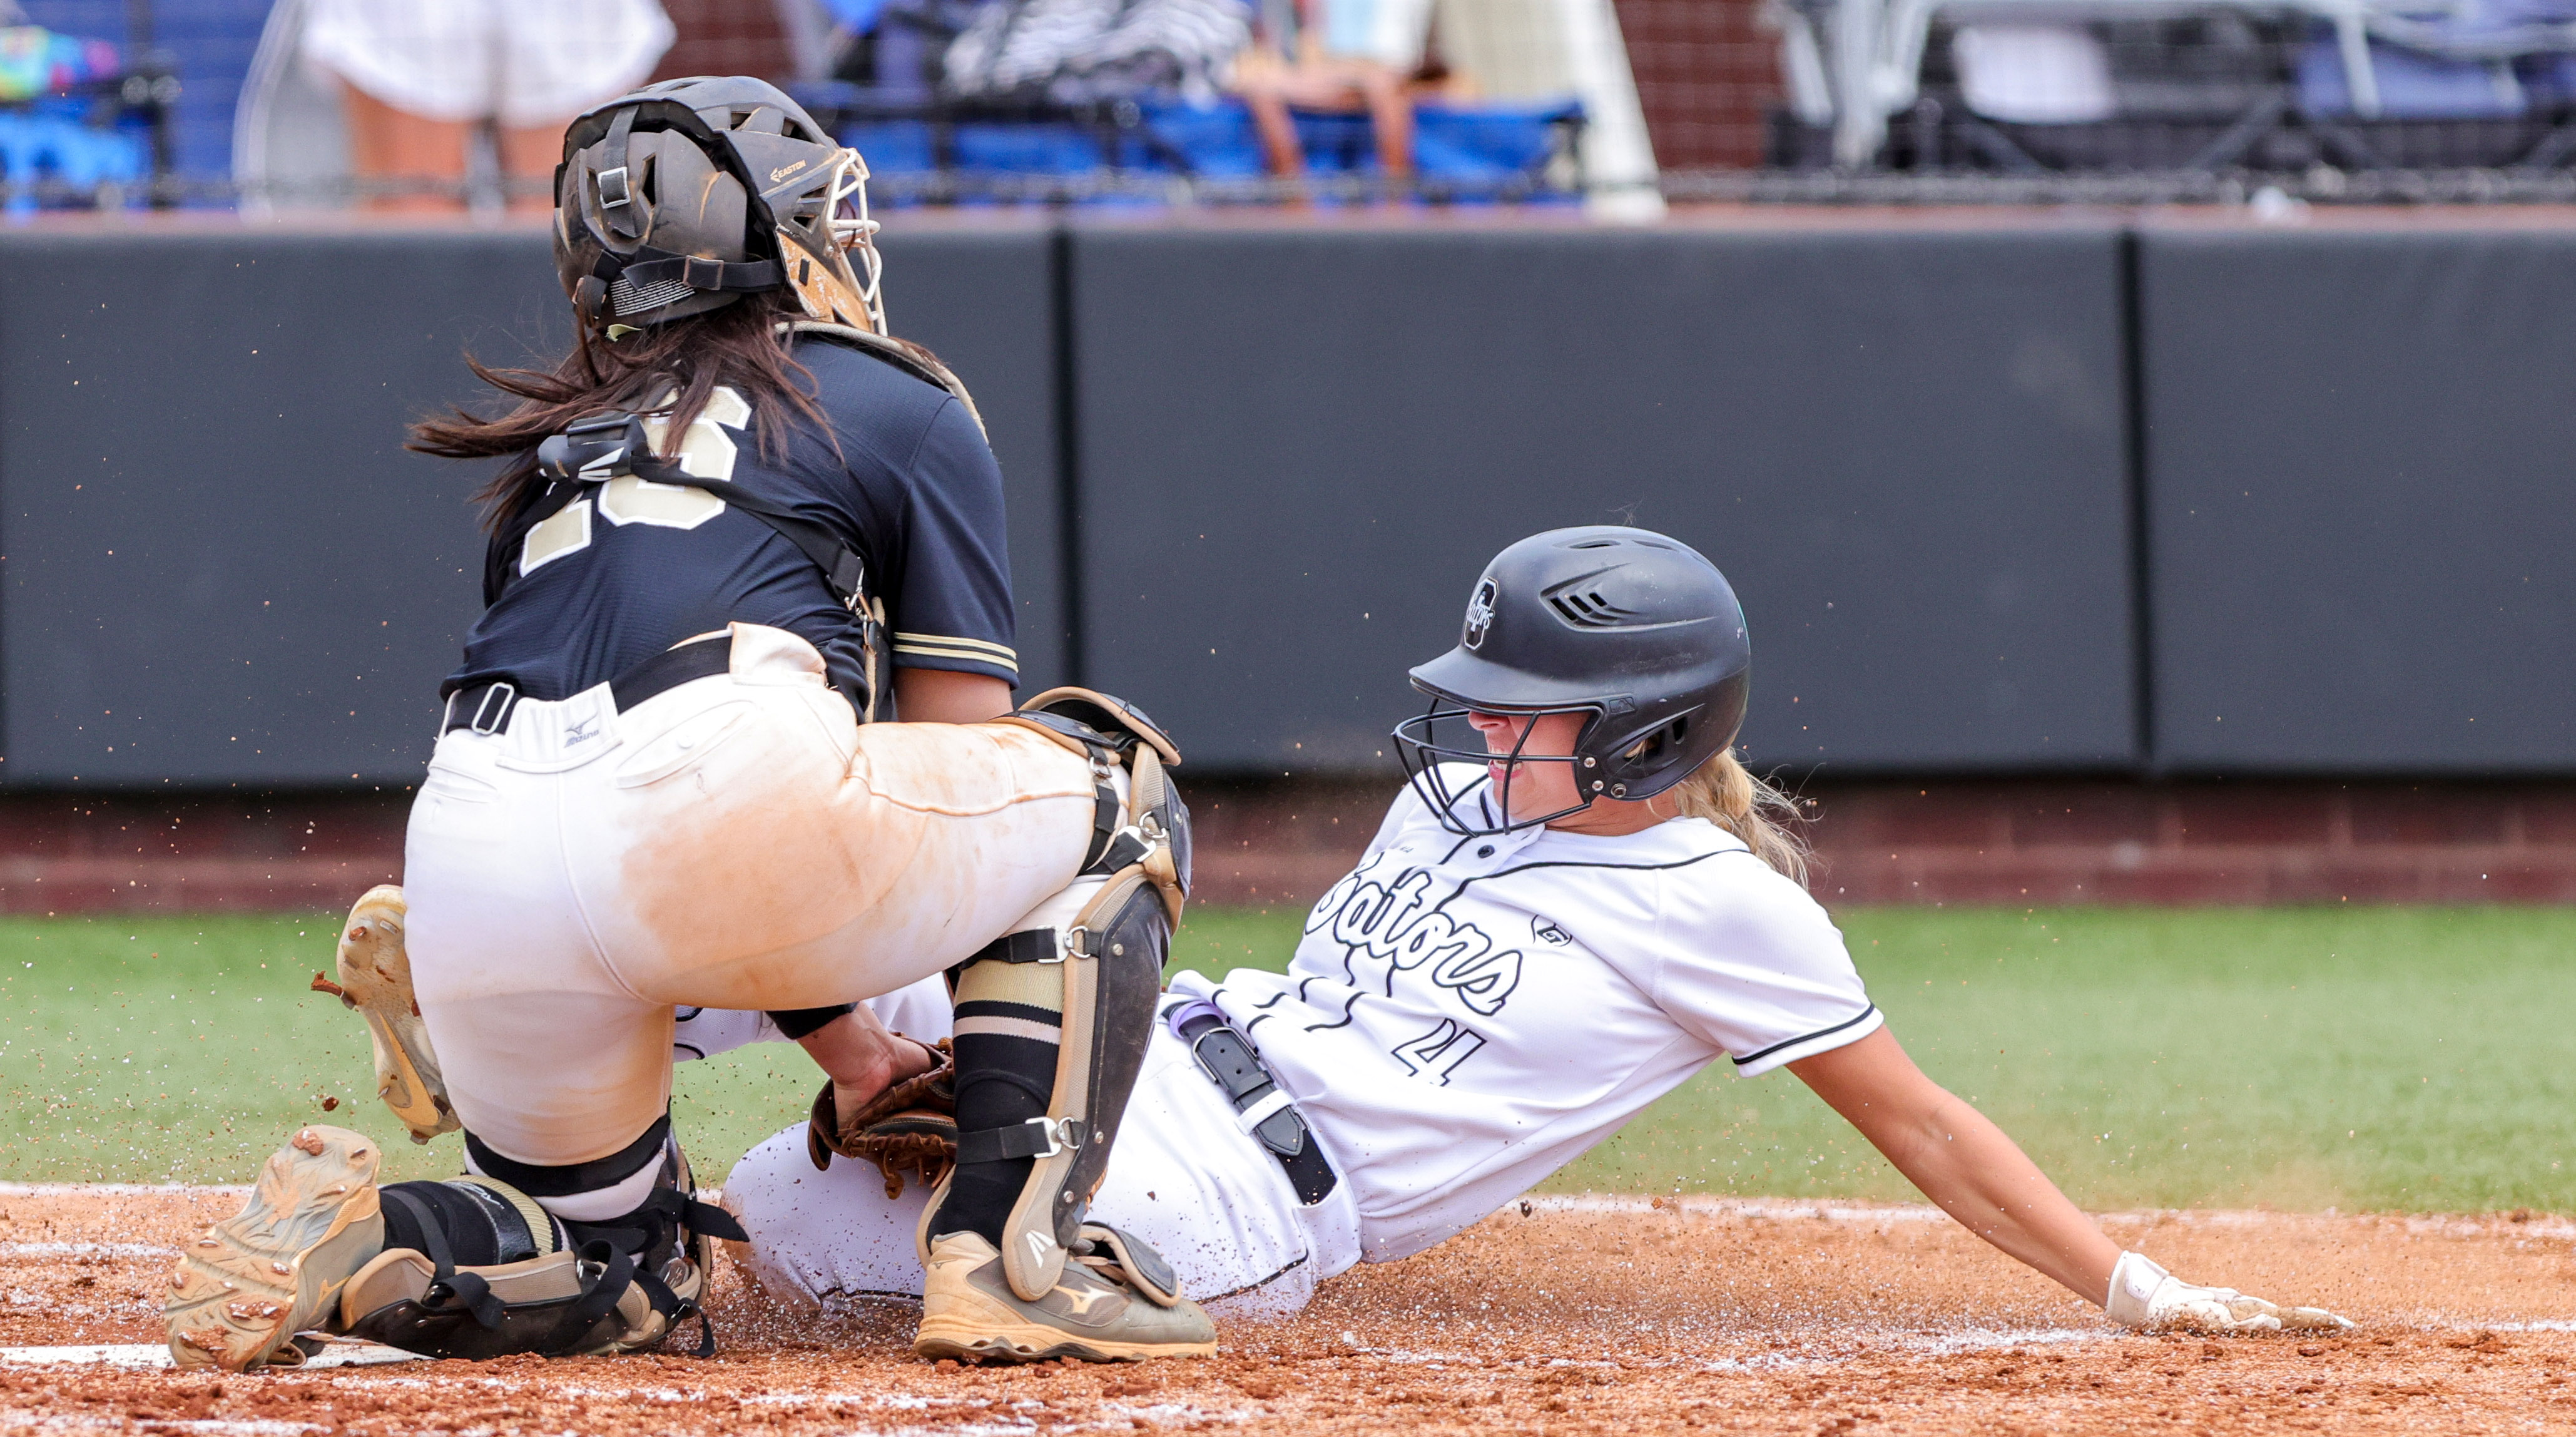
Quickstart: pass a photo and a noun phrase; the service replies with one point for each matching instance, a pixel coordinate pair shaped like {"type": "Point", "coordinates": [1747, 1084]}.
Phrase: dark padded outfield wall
{"type": "Point", "coordinates": [985, 302]}
{"type": "Point", "coordinates": [2359, 456]}
{"type": "Point", "coordinates": [1298, 448]}
{"type": "Point", "coordinates": [222, 569]}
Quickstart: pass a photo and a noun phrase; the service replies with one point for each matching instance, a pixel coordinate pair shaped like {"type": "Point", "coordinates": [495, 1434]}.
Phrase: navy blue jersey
{"type": "Point", "coordinates": [634, 567]}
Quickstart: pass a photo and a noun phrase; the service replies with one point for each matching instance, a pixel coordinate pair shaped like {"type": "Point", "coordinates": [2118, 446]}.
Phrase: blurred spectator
{"type": "Point", "coordinates": [1336, 55]}
{"type": "Point", "coordinates": [2033, 74]}
{"type": "Point", "coordinates": [417, 76]}
{"type": "Point", "coordinates": [1077, 52]}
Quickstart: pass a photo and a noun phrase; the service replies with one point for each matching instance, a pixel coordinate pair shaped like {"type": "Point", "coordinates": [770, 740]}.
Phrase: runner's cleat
{"type": "Point", "coordinates": [245, 1286]}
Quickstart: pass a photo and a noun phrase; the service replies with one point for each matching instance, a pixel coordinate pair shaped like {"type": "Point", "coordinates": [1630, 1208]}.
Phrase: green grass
{"type": "Point", "coordinates": [2406, 1059]}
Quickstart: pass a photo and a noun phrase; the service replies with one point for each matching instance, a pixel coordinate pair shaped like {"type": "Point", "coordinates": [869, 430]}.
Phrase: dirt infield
{"type": "Point", "coordinates": [1579, 1317]}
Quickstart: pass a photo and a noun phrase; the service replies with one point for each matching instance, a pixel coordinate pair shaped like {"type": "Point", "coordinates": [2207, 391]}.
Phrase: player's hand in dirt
{"type": "Point", "coordinates": [2144, 1295]}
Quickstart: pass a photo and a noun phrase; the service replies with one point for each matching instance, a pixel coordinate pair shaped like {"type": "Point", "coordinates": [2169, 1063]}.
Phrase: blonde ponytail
{"type": "Point", "coordinates": [1725, 793]}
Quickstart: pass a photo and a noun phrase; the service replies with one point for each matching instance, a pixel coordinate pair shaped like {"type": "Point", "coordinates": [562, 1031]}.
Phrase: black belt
{"type": "Point", "coordinates": [1227, 1058]}
{"type": "Point", "coordinates": [486, 708]}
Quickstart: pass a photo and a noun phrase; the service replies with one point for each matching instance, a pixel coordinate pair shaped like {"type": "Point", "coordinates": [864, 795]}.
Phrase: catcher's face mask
{"type": "Point", "coordinates": [831, 256]}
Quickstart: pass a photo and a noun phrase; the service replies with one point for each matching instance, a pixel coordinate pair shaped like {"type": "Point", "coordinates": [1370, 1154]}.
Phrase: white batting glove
{"type": "Point", "coordinates": [2144, 1295]}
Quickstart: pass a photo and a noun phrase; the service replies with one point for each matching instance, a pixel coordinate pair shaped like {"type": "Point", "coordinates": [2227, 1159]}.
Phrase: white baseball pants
{"type": "Point", "coordinates": [740, 841]}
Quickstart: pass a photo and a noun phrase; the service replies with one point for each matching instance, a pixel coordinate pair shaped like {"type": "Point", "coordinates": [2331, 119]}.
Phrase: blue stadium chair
{"type": "Point", "coordinates": [1490, 143]}
{"type": "Point", "coordinates": [2412, 86]}
{"type": "Point", "coordinates": [892, 147]}
{"type": "Point", "coordinates": [35, 147]}
{"type": "Point", "coordinates": [1036, 148]}
{"type": "Point", "coordinates": [1215, 141]}
{"type": "Point", "coordinates": [209, 43]}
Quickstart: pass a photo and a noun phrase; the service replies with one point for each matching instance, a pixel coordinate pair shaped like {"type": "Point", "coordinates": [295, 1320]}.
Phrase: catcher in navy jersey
{"type": "Point", "coordinates": [1581, 900]}
{"type": "Point", "coordinates": [737, 523]}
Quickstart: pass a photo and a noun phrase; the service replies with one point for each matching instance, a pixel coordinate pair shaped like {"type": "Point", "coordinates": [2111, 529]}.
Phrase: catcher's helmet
{"type": "Point", "coordinates": [683, 196]}
{"type": "Point", "coordinates": [1634, 630]}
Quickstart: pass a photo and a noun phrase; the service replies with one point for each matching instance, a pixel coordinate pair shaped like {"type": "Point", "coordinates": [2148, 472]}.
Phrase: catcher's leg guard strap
{"type": "Point", "coordinates": [594, 1191]}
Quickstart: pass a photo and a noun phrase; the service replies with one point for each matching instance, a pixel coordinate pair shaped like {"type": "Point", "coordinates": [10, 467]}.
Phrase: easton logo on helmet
{"type": "Point", "coordinates": [1480, 614]}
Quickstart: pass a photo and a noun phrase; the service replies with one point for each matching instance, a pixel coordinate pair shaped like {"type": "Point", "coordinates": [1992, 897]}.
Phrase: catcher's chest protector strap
{"type": "Point", "coordinates": [612, 445]}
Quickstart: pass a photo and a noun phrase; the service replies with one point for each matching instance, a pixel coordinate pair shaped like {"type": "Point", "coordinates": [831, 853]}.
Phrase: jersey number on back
{"type": "Point", "coordinates": [705, 451]}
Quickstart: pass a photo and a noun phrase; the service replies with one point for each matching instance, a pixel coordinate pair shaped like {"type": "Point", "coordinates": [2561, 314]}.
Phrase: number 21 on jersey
{"type": "Point", "coordinates": [1438, 1053]}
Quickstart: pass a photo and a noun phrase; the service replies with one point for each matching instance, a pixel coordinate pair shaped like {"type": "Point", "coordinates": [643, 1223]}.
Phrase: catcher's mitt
{"type": "Point", "coordinates": [911, 1126]}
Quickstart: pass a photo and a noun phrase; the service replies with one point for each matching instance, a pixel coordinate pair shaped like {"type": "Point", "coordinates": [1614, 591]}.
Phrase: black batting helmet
{"type": "Point", "coordinates": [1634, 630]}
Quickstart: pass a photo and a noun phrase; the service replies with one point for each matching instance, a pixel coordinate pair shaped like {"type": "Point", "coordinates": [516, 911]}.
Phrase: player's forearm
{"type": "Point", "coordinates": [1961, 1161]}
{"type": "Point", "coordinates": [861, 1057]}
{"type": "Point", "coordinates": [1981, 1177]}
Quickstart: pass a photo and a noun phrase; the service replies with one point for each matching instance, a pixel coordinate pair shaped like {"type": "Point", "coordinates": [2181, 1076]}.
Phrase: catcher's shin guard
{"type": "Point", "coordinates": [245, 1286]}
{"type": "Point", "coordinates": [375, 981]}
{"type": "Point", "coordinates": [1085, 986]}
{"type": "Point", "coordinates": [476, 1268]}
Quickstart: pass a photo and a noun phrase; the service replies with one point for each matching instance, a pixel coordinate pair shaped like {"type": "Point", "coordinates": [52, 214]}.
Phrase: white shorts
{"type": "Point", "coordinates": [1184, 1176]}
{"type": "Point", "coordinates": [739, 841]}
{"type": "Point", "coordinates": [526, 62]}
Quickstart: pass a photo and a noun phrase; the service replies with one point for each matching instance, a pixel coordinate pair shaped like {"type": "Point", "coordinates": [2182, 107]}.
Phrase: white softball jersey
{"type": "Point", "coordinates": [1466, 1015]}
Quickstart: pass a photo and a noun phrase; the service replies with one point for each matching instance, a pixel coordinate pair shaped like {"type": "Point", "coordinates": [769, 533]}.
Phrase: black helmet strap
{"type": "Point", "coordinates": [649, 266]}
{"type": "Point", "coordinates": [617, 188]}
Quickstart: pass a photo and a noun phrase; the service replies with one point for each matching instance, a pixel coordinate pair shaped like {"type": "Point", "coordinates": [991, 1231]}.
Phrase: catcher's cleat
{"type": "Point", "coordinates": [247, 1285]}
{"type": "Point", "coordinates": [1115, 1302]}
{"type": "Point", "coordinates": [375, 980]}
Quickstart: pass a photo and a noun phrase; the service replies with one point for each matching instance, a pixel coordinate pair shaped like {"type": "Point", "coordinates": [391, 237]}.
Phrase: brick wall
{"type": "Point", "coordinates": [1706, 75]}
{"type": "Point", "coordinates": [725, 37]}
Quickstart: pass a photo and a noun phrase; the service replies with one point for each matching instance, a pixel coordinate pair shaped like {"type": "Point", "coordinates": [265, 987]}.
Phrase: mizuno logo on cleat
{"type": "Point", "coordinates": [1081, 1300]}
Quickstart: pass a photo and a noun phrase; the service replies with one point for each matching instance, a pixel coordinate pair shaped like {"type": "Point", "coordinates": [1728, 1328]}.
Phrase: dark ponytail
{"type": "Point", "coordinates": [672, 367]}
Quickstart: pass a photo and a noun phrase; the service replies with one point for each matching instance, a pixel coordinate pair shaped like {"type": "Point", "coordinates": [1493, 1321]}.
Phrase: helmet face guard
{"type": "Point", "coordinates": [1633, 630]}
{"type": "Point", "coordinates": [684, 196]}
{"type": "Point", "coordinates": [1430, 739]}
{"type": "Point", "coordinates": [831, 257]}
